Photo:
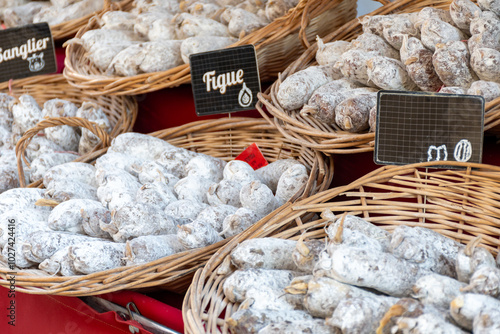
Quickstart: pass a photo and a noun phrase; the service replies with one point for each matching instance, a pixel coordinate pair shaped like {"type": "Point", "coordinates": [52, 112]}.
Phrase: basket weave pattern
{"type": "Point", "coordinates": [223, 138]}
{"type": "Point", "coordinates": [459, 204]}
{"type": "Point", "coordinates": [306, 130]}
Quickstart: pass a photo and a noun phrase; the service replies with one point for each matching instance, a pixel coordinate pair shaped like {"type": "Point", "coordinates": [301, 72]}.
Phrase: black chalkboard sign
{"type": "Point", "coordinates": [26, 51]}
{"type": "Point", "coordinates": [225, 80]}
{"type": "Point", "coordinates": [417, 127]}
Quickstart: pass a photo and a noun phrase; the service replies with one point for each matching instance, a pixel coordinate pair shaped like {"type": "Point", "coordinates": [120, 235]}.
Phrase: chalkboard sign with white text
{"type": "Point", "coordinates": [225, 80]}
{"type": "Point", "coordinates": [26, 51]}
{"type": "Point", "coordinates": [415, 127]}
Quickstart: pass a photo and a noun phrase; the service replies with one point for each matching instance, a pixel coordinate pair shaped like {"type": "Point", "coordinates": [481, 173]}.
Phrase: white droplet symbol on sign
{"type": "Point", "coordinates": [463, 151]}
{"type": "Point", "coordinates": [245, 96]}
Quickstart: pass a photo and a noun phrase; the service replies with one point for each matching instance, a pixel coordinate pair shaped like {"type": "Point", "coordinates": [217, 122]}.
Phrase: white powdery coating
{"type": "Point", "coordinates": [307, 254]}
{"type": "Point", "coordinates": [97, 36]}
{"type": "Point", "coordinates": [127, 62]}
{"type": "Point", "coordinates": [486, 63]}
{"type": "Point", "coordinates": [42, 245]}
{"type": "Point", "coordinates": [26, 220]}
{"type": "Point", "coordinates": [59, 262]}
{"type": "Point", "coordinates": [462, 12]}
{"type": "Point", "coordinates": [144, 21]}
{"type": "Point", "coordinates": [215, 215]}
{"type": "Point", "coordinates": [324, 295]}
{"type": "Point", "coordinates": [489, 38]}
{"type": "Point", "coordinates": [395, 29]}
{"type": "Point", "coordinates": [236, 223]}
{"type": "Point", "coordinates": [188, 25]}
{"type": "Point", "coordinates": [435, 32]}
{"type": "Point", "coordinates": [151, 171]}
{"type": "Point", "coordinates": [114, 160]}
{"type": "Point", "coordinates": [466, 307]}
{"type": "Point", "coordinates": [205, 166]}
{"type": "Point", "coordinates": [239, 171]}
{"type": "Point", "coordinates": [374, 43]}
{"type": "Point", "coordinates": [139, 145]}
{"type": "Point", "coordinates": [44, 162]}
{"type": "Point", "coordinates": [487, 322]}
{"type": "Point", "coordinates": [157, 194]}
{"type": "Point", "coordinates": [375, 24]}
{"type": "Point", "coordinates": [486, 280]}
{"type": "Point", "coordinates": [483, 21]}
{"type": "Point", "coordinates": [491, 5]}
{"type": "Point", "coordinates": [54, 15]}
{"type": "Point", "coordinates": [9, 177]}
{"type": "Point", "coordinates": [265, 253]}
{"type": "Point", "coordinates": [149, 248]}
{"type": "Point", "coordinates": [203, 44]}
{"type": "Point", "coordinates": [481, 257]}
{"type": "Point", "coordinates": [354, 238]}
{"type": "Point", "coordinates": [101, 55]}
{"type": "Point", "coordinates": [184, 211]}
{"type": "Point", "coordinates": [257, 197]}
{"type": "Point", "coordinates": [388, 73]}
{"type": "Point", "coordinates": [451, 63]}
{"type": "Point", "coordinates": [226, 192]}
{"type": "Point", "coordinates": [137, 219]}
{"type": "Point", "coordinates": [174, 159]}
{"type": "Point", "coordinates": [352, 64]}
{"type": "Point", "coordinates": [353, 113]}
{"type": "Point", "coordinates": [197, 234]}
{"type": "Point", "coordinates": [40, 145]}
{"type": "Point", "coordinates": [74, 171]}
{"type": "Point", "coordinates": [316, 326]}
{"type": "Point", "coordinates": [95, 114]}
{"type": "Point", "coordinates": [427, 13]}
{"type": "Point", "coordinates": [67, 216]}
{"type": "Point", "coordinates": [410, 46]}
{"type": "Point", "coordinates": [7, 140]}
{"type": "Point", "coordinates": [356, 315]}
{"type": "Point", "coordinates": [95, 256]}
{"type": "Point", "coordinates": [270, 174]}
{"type": "Point", "coordinates": [65, 190]}
{"type": "Point", "coordinates": [291, 181]}
{"type": "Point", "coordinates": [372, 119]}
{"type": "Point", "coordinates": [427, 323]}
{"type": "Point", "coordinates": [26, 114]}
{"type": "Point", "coordinates": [21, 198]}
{"type": "Point", "coordinates": [453, 90]}
{"type": "Point", "coordinates": [252, 320]}
{"type": "Point", "coordinates": [118, 20]}
{"type": "Point", "coordinates": [242, 21]}
{"type": "Point", "coordinates": [330, 53]}
{"type": "Point", "coordinates": [161, 55]}
{"type": "Point", "coordinates": [488, 89]}
{"type": "Point", "coordinates": [296, 90]}
{"type": "Point", "coordinates": [204, 9]}
{"type": "Point", "coordinates": [6, 116]}
{"type": "Point", "coordinates": [193, 188]}
{"type": "Point", "coordinates": [437, 290]}
{"type": "Point", "coordinates": [117, 188]}
{"type": "Point", "coordinates": [428, 249]}
{"type": "Point", "coordinates": [377, 270]}
{"type": "Point", "coordinates": [65, 136]}
{"type": "Point", "coordinates": [93, 213]}
{"type": "Point", "coordinates": [162, 29]}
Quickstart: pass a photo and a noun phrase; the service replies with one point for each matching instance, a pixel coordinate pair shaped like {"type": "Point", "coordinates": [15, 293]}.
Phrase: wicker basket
{"type": "Point", "coordinates": [224, 138]}
{"type": "Point", "coordinates": [306, 130]}
{"type": "Point", "coordinates": [458, 204]}
{"type": "Point", "coordinates": [121, 111]}
{"type": "Point", "coordinates": [277, 44]}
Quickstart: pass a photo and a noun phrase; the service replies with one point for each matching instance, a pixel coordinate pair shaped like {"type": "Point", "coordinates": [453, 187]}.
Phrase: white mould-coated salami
{"type": "Point", "coordinates": [395, 29]}
{"type": "Point", "coordinates": [427, 13]}
{"type": "Point", "coordinates": [352, 114]}
{"type": "Point", "coordinates": [206, 167]}
{"type": "Point", "coordinates": [139, 145]}
{"type": "Point", "coordinates": [488, 89]}
{"type": "Point", "coordinates": [162, 29]}
{"type": "Point", "coordinates": [215, 215]}
{"type": "Point", "coordinates": [324, 294]}
{"type": "Point", "coordinates": [437, 290]}
{"type": "Point", "coordinates": [40, 145]}
{"type": "Point", "coordinates": [93, 213]}
{"type": "Point", "coordinates": [21, 198]}
{"type": "Point", "coordinates": [115, 160]}
{"type": "Point", "coordinates": [236, 223]}
{"type": "Point", "coordinates": [26, 220]}
{"type": "Point", "coordinates": [296, 90]}
{"type": "Point", "coordinates": [462, 12]}
{"type": "Point", "coordinates": [161, 55]}
{"type": "Point", "coordinates": [453, 90]}
{"type": "Point", "coordinates": [491, 5]}
{"type": "Point", "coordinates": [26, 114]}
{"type": "Point", "coordinates": [486, 63]}
{"type": "Point", "coordinates": [187, 25]}
{"type": "Point", "coordinates": [209, 10]}
{"type": "Point", "coordinates": [270, 174]}
{"type": "Point", "coordinates": [466, 307]}
{"type": "Point", "coordinates": [239, 171]}
{"type": "Point", "coordinates": [128, 61]}
{"type": "Point", "coordinates": [266, 253]}
{"type": "Point", "coordinates": [135, 220]}
{"type": "Point", "coordinates": [157, 194]}
{"type": "Point", "coordinates": [347, 237]}
{"type": "Point", "coordinates": [7, 140]}
{"type": "Point", "coordinates": [151, 171]}
{"type": "Point", "coordinates": [451, 63]}
{"type": "Point", "coordinates": [485, 280]}
{"type": "Point", "coordinates": [226, 192]}
{"type": "Point", "coordinates": [352, 64]}
{"type": "Point", "coordinates": [44, 162]}
{"type": "Point", "coordinates": [95, 36]}
{"type": "Point", "coordinates": [316, 326]}
{"type": "Point", "coordinates": [148, 248]}
{"type": "Point", "coordinates": [307, 253]}
{"type": "Point", "coordinates": [242, 22]}
{"type": "Point", "coordinates": [65, 190]}
{"type": "Point", "coordinates": [59, 108]}
{"type": "Point", "coordinates": [257, 197]}
{"type": "Point", "coordinates": [489, 38]}
{"type": "Point", "coordinates": [197, 234]}
{"type": "Point", "coordinates": [118, 20]}
{"type": "Point", "coordinates": [374, 43]}
{"type": "Point", "coordinates": [291, 181]}
{"type": "Point", "coordinates": [9, 177]}
{"type": "Point", "coordinates": [483, 21]}
{"type": "Point", "coordinates": [64, 135]}
{"type": "Point", "coordinates": [375, 24]}
{"type": "Point", "coordinates": [59, 262]}
{"type": "Point", "coordinates": [251, 320]}
{"type": "Point", "coordinates": [116, 188]}
{"type": "Point", "coordinates": [95, 256]}
{"type": "Point", "coordinates": [427, 323]}
{"type": "Point", "coordinates": [330, 53]}
{"type": "Point", "coordinates": [184, 211]}
{"type": "Point", "coordinates": [377, 270]}
{"type": "Point", "coordinates": [360, 314]}
{"type": "Point", "coordinates": [388, 73]}
{"type": "Point", "coordinates": [6, 117]}
{"type": "Point", "coordinates": [438, 32]}
{"type": "Point", "coordinates": [203, 44]}
{"type": "Point", "coordinates": [67, 216]}
{"type": "Point", "coordinates": [487, 322]}
{"type": "Point", "coordinates": [174, 160]}
{"type": "Point", "coordinates": [144, 21]}
{"type": "Point", "coordinates": [101, 55]}
{"type": "Point", "coordinates": [74, 171]}
{"type": "Point", "coordinates": [193, 188]}
{"type": "Point", "coordinates": [95, 114]}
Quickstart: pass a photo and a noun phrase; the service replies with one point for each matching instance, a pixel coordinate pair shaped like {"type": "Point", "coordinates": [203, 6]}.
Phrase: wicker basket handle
{"type": "Point", "coordinates": [25, 140]}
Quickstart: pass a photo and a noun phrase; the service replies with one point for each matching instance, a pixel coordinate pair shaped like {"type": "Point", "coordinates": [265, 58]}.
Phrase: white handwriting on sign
{"type": "Point", "coordinates": [463, 151]}
{"type": "Point", "coordinates": [222, 81]}
{"type": "Point", "coordinates": [22, 51]}
{"type": "Point", "coordinates": [438, 150]}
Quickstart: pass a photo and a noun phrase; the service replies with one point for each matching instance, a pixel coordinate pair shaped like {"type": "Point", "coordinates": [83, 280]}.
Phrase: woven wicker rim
{"type": "Point", "coordinates": [306, 130]}
{"type": "Point", "coordinates": [460, 204]}
{"type": "Point", "coordinates": [224, 138]}
{"type": "Point", "coordinates": [121, 110]}
{"type": "Point", "coordinates": [294, 29]}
